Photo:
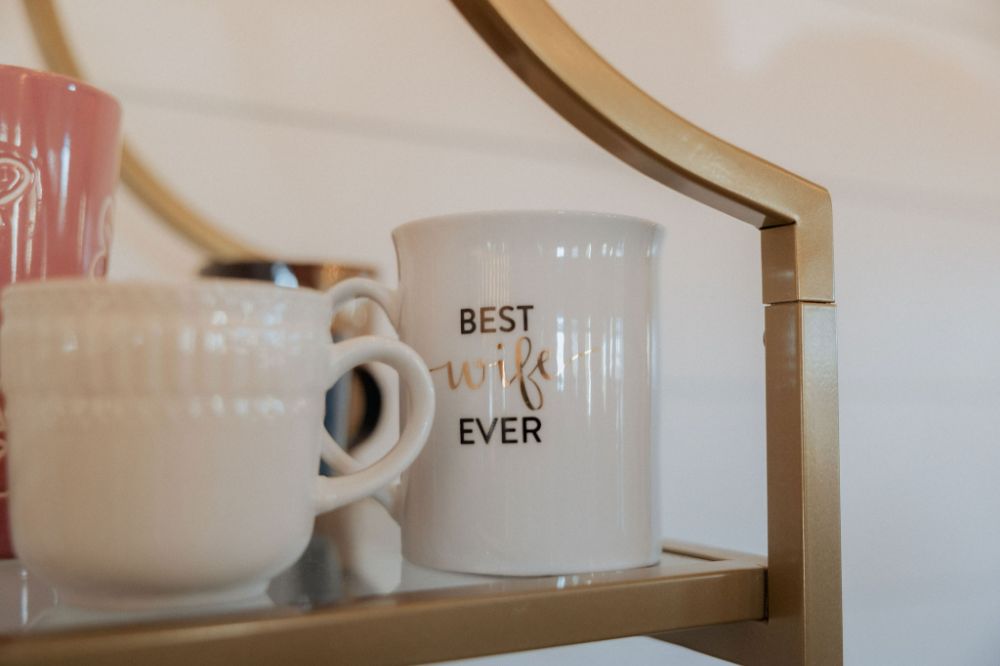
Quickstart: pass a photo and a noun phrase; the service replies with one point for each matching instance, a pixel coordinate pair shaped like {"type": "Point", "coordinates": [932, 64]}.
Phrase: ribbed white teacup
{"type": "Point", "coordinates": [164, 439]}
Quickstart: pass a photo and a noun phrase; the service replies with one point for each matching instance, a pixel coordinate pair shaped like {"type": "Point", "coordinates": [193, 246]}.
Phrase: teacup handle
{"type": "Point", "coordinates": [359, 481]}
{"type": "Point", "coordinates": [388, 300]}
{"type": "Point", "coordinates": [352, 288]}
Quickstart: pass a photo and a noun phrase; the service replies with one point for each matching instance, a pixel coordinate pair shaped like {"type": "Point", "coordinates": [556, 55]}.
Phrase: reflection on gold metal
{"type": "Point", "coordinates": [136, 175]}
{"type": "Point", "coordinates": [687, 589]}
{"type": "Point", "coordinates": [795, 219]}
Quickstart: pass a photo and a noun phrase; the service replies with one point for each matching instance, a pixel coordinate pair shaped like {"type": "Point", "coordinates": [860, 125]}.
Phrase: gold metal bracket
{"type": "Point", "coordinates": [804, 624]}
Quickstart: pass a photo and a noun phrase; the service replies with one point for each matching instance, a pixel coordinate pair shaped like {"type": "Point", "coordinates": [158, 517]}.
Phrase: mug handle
{"type": "Point", "coordinates": [340, 294]}
{"type": "Point", "coordinates": [387, 299]}
{"type": "Point", "coordinates": [361, 481]}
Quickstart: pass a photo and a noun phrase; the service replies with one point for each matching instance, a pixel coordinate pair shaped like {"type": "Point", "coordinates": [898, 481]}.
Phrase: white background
{"type": "Point", "coordinates": [312, 128]}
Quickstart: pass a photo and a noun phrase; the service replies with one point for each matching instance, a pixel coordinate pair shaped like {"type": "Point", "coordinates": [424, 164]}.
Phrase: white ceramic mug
{"type": "Point", "coordinates": [164, 439]}
{"type": "Point", "coordinates": [541, 332]}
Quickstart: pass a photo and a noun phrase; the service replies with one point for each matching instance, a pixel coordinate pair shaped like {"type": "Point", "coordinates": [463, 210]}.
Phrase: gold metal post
{"type": "Point", "coordinates": [795, 219]}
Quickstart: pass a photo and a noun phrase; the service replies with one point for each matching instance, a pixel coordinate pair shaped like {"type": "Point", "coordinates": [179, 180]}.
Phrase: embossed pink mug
{"type": "Point", "coordinates": [60, 146]}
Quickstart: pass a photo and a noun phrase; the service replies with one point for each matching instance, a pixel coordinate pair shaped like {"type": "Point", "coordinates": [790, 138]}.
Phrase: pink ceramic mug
{"type": "Point", "coordinates": [60, 146]}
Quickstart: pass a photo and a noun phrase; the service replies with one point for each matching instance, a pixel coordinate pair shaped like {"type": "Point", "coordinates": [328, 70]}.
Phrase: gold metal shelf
{"type": "Point", "coordinates": [802, 621]}
{"type": "Point", "coordinates": [327, 616]}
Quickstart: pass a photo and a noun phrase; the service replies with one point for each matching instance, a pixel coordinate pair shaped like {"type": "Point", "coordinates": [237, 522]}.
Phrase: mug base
{"type": "Point", "coordinates": [234, 598]}
{"type": "Point", "coordinates": [532, 569]}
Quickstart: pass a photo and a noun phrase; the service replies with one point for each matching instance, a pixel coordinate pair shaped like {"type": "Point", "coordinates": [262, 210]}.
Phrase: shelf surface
{"type": "Point", "coordinates": [352, 598]}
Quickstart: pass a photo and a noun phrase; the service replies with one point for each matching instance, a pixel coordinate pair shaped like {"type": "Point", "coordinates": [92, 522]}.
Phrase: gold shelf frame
{"type": "Point", "coordinates": [690, 587]}
{"type": "Point", "coordinates": [795, 218]}
{"type": "Point", "coordinates": [803, 581]}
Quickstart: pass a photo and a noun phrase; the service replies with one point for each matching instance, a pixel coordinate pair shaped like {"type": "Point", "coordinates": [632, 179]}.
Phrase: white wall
{"type": "Point", "coordinates": [313, 132]}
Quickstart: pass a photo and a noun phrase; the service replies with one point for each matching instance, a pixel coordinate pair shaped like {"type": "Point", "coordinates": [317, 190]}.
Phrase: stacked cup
{"type": "Point", "coordinates": [164, 439]}
{"type": "Point", "coordinates": [60, 145]}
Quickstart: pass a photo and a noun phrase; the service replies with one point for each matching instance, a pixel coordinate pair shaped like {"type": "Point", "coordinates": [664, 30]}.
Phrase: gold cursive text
{"type": "Point", "coordinates": [526, 372]}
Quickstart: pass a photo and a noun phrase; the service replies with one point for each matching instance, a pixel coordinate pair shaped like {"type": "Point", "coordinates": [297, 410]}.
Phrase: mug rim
{"type": "Point", "coordinates": [538, 215]}
{"type": "Point", "coordinates": [320, 275]}
{"type": "Point", "coordinates": [65, 83]}
{"type": "Point", "coordinates": [65, 286]}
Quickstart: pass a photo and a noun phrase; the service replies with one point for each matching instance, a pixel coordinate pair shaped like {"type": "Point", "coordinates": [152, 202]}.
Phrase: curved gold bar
{"type": "Point", "coordinates": [571, 77]}
{"type": "Point", "coordinates": [804, 624]}
{"type": "Point", "coordinates": [137, 176]}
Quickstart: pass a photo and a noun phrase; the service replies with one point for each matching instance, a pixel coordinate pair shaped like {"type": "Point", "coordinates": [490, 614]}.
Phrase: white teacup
{"type": "Point", "coordinates": [164, 439]}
